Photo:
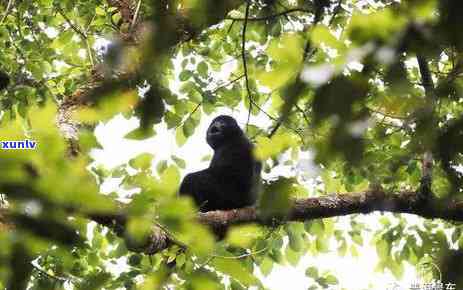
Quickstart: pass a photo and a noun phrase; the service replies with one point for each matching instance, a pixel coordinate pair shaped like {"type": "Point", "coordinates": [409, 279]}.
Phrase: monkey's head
{"type": "Point", "coordinates": [222, 130]}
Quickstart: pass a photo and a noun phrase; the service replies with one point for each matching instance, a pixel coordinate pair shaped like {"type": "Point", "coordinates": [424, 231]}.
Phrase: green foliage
{"type": "Point", "coordinates": [275, 200]}
{"type": "Point", "coordinates": [286, 61]}
{"type": "Point", "coordinates": [348, 89]}
{"type": "Point", "coordinates": [384, 22]}
{"type": "Point", "coordinates": [272, 147]}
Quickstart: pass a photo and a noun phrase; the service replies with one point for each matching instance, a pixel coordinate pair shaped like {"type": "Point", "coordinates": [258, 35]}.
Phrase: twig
{"type": "Point", "coordinates": [455, 72]}
{"type": "Point", "coordinates": [386, 114]}
{"type": "Point", "coordinates": [228, 83]}
{"type": "Point", "coordinates": [274, 130]}
{"type": "Point", "coordinates": [135, 16]}
{"type": "Point", "coordinates": [251, 253]}
{"type": "Point", "coordinates": [280, 123]}
{"type": "Point", "coordinates": [335, 12]}
{"type": "Point", "coordinates": [304, 115]}
{"type": "Point", "coordinates": [213, 91]}
{"type": "Point", "coordinates": [89, 24]}
{"type": "Point", "coordinates": [242, 255]}
{"type": "Point", "coordinates": [7, 11]}
{"type": "Point", "coordinates": [18, 50]}
{"type": "Point", "coordinates": [426, 77]}
{"type": "Point", "coordinates": [190, 114]}
{"type": "Point", "coordinates": [89, 52]}
{"type": "Point", "coordinates": [283, 13]}
{"type": "Point", "coordinates": [171, 236]}
{"type": "Point", "coordinates": [48, 275]}
{"type": "Point", "coordinates": [73, 26]}
{"type": "Point", "coordinates": [286, 15]}
{"type": "Point", "coordinates": [245, 67]}
{"type": "Point", "coordinates": [79, 31]}
{"type": "Point", "coordinates": [231, 26]}
{"type": "Point", "coordinates": [308, 53]}
{"type": "Point", "coordinates": [208, 260]}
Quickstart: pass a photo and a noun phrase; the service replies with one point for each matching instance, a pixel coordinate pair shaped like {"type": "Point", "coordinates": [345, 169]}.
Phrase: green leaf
{"type": "Point", "coordinates": [312, 272]}
{"type": "Point", "coordinates": [202, 69]}
{"type": "Point", "coordinates": [243, 236]}
{"type": "Point", "coordinates": [185, 75]}
{"type": "Point", "coordinates": [266, 266]}
{"type": "Point", "coordinates": [180, 137]}
{"type": "Point", "coordinates": [140, 133]}
{"type": "Point", "coordinates": [170, 179]}
{"type": "Point", "coordinates": [195, 96]}
{"type": "Point", "coordinates": [331, 280]}
{"type": "Point", "coordinates": [315, 227]}
{"type": "Point", "coordinates": [135, 260]}
{"type": "Point", "coordinates": [382, 248]}
{"type": "Point", "coordinates": [295, 237]}
{"type": "Point", "coordinates": [189, 127]}
{"type": "Point", "coordinates": [236, 270]}
{"type": "Point", "coordinates": [271, 147]}
{"type": "Point", "coordinates": [162, 165]}
{"type": "Point", "coordinates": [142, 161]}
{"type": "Point", "coordinates": [322, 244]}
{"type": "Point", "coordinates": [292, 257]}
{"type": "Point", "coordinates": [322, 35]}
{"type": "Point", "coordinates": [172, 120]}
{"type": "Point", "coordinates": [275, 200]}
{"type": "Point", "coordinates": [286, 61]}
{"type": "Point", "coordinates": [179, 161]}
{"type": "Point", "coordinates": [100, 11]}
{"type": "Point", "coordinates": [180, 260]}
{"type": "Point", "coordinates": [277, 256]}
{"type": "Point", "coordinates": [379, 25]}
{"type": "Point", "coordinates": [357, 238]}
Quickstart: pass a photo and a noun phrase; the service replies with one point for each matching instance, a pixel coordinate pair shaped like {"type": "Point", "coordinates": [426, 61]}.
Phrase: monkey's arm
{"type": "Point", "coordinates": [202, 187]}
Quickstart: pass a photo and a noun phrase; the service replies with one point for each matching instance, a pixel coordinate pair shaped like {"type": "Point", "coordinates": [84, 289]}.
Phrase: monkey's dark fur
{"type": "Point", "coordinates": [231, 181]}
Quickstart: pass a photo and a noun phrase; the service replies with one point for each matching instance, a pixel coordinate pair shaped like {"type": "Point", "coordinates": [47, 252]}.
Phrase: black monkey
{"type": "Point", "coordinates": [231, 181]}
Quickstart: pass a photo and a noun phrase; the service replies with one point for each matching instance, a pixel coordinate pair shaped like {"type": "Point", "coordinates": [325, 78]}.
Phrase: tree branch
{"type": "Point", "coordinates": [307, 209]}
{"type": "Point", "coordinates": [245, 66]}
{"type": "Point", "coordinates": [71, 24]}
{"type": "Point", "coordinates": [427, 161]}
{"type": "Point", "coordinates": [426, 78]}
{"type": "Point", "coordinates": [7, 11]}
{"type": "Point", "coordinates": [268, 17]}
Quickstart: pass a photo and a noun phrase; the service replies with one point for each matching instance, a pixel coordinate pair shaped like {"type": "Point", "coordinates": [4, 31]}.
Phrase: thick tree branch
{"type": "Point", "coordinates": [308, 209]}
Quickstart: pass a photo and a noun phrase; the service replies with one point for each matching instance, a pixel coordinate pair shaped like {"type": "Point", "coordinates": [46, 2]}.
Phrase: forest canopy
{"type": "Point", "coordinates": [360, 101]}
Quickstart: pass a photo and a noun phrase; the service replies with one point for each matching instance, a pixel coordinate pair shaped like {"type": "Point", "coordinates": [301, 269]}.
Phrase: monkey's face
{"type": "Point", "coordinates": [222, 129]}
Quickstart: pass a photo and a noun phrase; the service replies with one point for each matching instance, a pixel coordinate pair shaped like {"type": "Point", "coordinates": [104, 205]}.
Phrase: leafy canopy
{"type": "Point", "coordinates": [339, 79]}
